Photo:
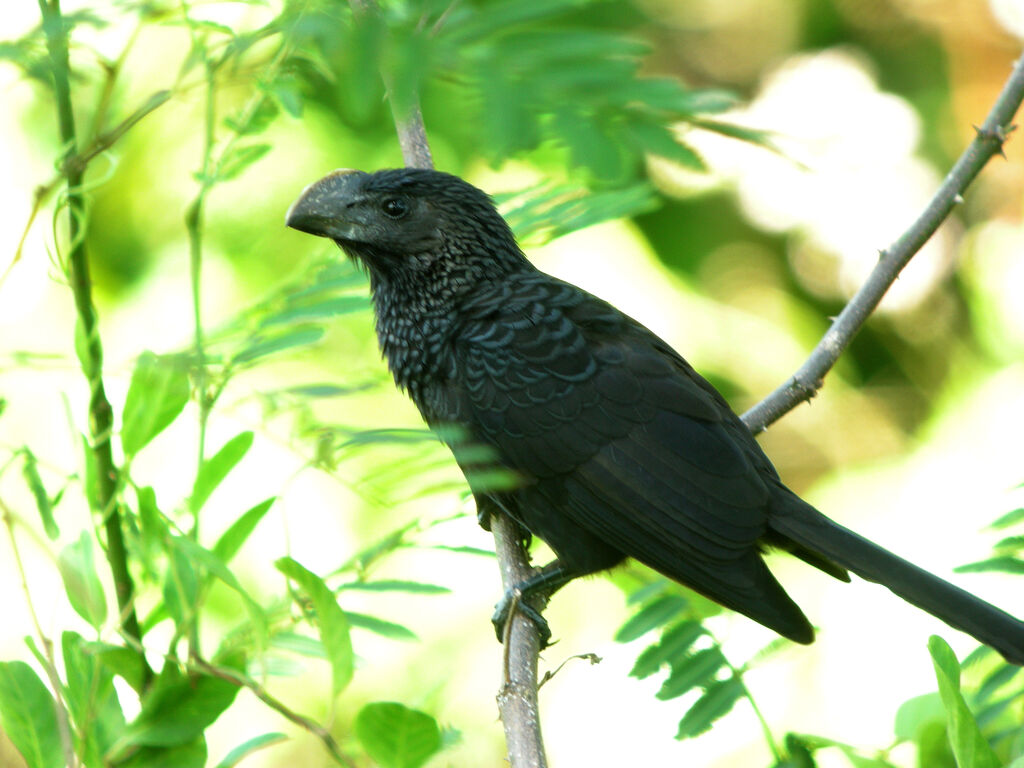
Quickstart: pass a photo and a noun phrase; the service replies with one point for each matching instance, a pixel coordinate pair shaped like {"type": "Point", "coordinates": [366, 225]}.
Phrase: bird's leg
{"type": "Point", "coordinates": [546, 581]}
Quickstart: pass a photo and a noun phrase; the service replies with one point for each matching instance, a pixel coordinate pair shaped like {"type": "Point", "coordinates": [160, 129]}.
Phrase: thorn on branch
{"type": "Point", "coordinates": [997, 136]}
{"type": "Point", "coordinates": [805, 392]}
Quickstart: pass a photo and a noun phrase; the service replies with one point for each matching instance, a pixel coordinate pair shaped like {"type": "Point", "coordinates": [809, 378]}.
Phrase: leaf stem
{"type": "Point", "coordinates": [100, 413]}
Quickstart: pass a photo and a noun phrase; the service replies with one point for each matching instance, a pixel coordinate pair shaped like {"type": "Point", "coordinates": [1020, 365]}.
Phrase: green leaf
{"type": "Point", "coordinates": [153, 529]}
{"type": "Point", "coordinates": [158, 392]}
{"type": "Point", "coordinates": [176, 711]}
{"type": "Point", "coordinates": [216, 468]}
{"type": "Point", "coordinates": [717, 700]}
{"type": "Point", "coordinates": [28, 716]}
{"type": "Point", "coordinates": [916, 714]}
{"type": "Point", "coordinates": [234, 537]}
{"type": "Point", "coordinates": [300, 644]}
{"type": "Point", "coordinates": [738, 132]}
{"type": "Point", "coordinates": [78, 570]}
{"type": "Point", "coordinates": [120, 660]}
{"type": "Point", "coordinates": [559, 210]}
{"type": "Point", "coordinates": [215, 566]}
{"type": "Point", "coordinates": [330, 619]}
{"type": "Point", "coordinates": [1004, 564]}
{"type": "Point", "coordinates": [410, 56]}
{"type": "Point", "coordinates": [669, 96]}
{"type": "Point", "coordinates": [91, 699]}
{"type": "Point", "coordinates": [1010, 518]}
{"type": "Point", "coordinates": [675, 642]}
{"type": "Point", "coordinates": [479, 551]}
{"type": "Point", "coordinates": [191, 755]}
{"type": "Point", "coordinates": [503, 15]}
{"type": "Point", "coordinates": [396, 736]}
{"type": "Point", "coordinates": [261, 346]}
{"type": "Point", "coordinates": [246, 748]}
{"type": "Point", "coordinates": [656, 613]}
{"type": "Point", "coordinates": [239, 158]}
{"type": "Point", "coordinates": [589, 145]}
{"type": "Point", "coordinates": [698, 669]}
{"type": "Point", "coordinates": [394, 585]}
{"type": "Point", "coordinates": [180, 586]}
{"type": "Point", "coordinates": [324, 309]}
{"type": "Point", "coordinates": [969, 746]}
{"type": "Point", "coordinates": [380, 626]}
{"type": "Point", "coordinates": [90, 478]}
{"type": "Point", "coordinates": [1000, 676]}
{"type": "Point", "coordinates": [505, 117]}
{"type": "Point", "coordinates": [286, 90]}
{"type": "Point", "coordinates": [647, 592]}
{"type": "Point", "coordinates": [658, 139]}
{"type": "Point", "coordinates": [30, 470]}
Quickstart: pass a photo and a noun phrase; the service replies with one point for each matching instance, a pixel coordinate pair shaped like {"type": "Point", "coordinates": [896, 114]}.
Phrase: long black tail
{"type": "Point", "coordinates": [803, 524]}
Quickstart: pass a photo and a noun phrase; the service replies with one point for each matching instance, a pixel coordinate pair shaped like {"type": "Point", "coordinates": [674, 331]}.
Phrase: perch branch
{"type": "Point", "coordinates": [517, 698]}
{"type": "Point", "coordinates": [809, 378]}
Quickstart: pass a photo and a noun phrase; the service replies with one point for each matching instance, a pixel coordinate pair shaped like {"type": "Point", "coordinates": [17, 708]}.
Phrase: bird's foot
{"type": "Point", "coordinates": [511, 602]}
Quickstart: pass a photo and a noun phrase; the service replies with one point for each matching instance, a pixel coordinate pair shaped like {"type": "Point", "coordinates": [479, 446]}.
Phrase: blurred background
{"type": "Point", "coordinates": [915, 440]}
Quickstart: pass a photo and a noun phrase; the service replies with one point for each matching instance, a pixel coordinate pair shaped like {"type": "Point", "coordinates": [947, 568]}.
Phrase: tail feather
{"type": "Point", "coordinates": [806, 527]}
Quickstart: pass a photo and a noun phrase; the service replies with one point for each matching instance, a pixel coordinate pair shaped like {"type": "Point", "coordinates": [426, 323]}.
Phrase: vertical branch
{"type": "Point", "coordinates": [412, 135]}
{"type": "Point", "coordinates": [517, 698]}
{"type": "Point", "coordinates": [100, 413]}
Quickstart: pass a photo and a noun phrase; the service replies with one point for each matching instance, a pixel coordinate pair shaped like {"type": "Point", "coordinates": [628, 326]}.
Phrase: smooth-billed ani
{"type": "Point", "coordinates": [620, 448]}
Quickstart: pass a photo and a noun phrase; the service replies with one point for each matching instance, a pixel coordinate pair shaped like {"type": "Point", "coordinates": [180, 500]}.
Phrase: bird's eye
{"type": "Point", "coordinates": [395, 207]}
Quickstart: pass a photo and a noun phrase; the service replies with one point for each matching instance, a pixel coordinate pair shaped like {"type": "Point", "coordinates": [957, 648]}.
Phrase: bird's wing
{"type": "Point", "coordinates": [615, 437]}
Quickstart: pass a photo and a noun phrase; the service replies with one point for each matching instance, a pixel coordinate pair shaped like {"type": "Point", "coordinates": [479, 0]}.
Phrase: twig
{"type": "Point", "coordinates": [101, 419]}
{"type": "Point", "coordinates": [809, 378]}
{"type": "Point", "coordinates": [243, 681]}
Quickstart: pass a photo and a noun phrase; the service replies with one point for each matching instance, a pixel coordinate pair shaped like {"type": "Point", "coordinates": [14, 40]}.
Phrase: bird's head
{"type": "Point", "coordinates": [408, 221]}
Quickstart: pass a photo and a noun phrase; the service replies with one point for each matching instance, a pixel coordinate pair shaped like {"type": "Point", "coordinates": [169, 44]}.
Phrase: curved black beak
{"type": "Point", "coordinates": [321, 208]}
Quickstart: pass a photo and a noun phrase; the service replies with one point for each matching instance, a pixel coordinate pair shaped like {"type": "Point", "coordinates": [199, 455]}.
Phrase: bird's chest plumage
{"type": "Point", "coordinates": [415, 345]}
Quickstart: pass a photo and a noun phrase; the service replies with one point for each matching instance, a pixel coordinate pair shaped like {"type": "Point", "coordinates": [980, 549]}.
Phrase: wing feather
{"type": "Point", "coordinates": [622, 448]}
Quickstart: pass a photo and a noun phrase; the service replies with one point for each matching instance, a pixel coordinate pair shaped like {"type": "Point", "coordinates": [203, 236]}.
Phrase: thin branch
{"type": "Point", "coordinates": [101, 418]}
{"type": "Point", "coordinates": [809, 378]}
{"type": "Point", "coordinates": [243, 681]}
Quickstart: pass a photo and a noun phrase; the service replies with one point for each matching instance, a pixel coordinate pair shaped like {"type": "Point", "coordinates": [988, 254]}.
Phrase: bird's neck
{"type": "Point", "coordinates": [414, 320]}
{"type": "Point", "coordinates": [418, 309]}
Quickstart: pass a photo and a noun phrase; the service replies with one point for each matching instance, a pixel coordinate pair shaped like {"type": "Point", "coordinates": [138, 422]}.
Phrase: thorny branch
{"type": "Point", "coordinates": [809, 378]}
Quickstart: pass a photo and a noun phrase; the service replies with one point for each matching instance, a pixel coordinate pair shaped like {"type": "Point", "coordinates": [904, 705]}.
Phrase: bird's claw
{"type": "Point", "coordinates": [503, 612]}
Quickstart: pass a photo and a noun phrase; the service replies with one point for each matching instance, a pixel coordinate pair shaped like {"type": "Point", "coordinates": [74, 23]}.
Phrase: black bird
{"type": "Point", "coordinates": [620, 448]}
